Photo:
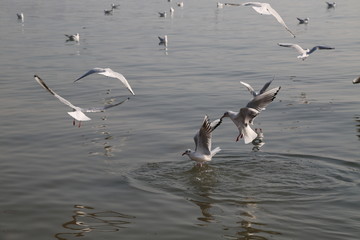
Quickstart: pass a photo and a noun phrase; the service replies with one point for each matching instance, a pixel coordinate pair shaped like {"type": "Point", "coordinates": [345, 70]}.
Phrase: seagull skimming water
{"type": "Point", "coordinates": [246, 115]}
{"type": "Point", "coordinates": [202, 139]}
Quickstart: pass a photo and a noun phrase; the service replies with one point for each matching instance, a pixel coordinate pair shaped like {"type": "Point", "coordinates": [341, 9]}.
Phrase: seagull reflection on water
{"type": "Point", "coordinates": [258, 142]}
{"type": "Point", "coordinates": [85, 219]}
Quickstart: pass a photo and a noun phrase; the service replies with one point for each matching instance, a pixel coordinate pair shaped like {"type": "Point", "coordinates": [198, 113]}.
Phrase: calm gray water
{"type": "Point", "coordinates": [122, 176]}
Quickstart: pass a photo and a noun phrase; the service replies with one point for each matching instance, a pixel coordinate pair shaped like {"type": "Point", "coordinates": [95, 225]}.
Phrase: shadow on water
{"type": "Point", "coordinates": [85, 219]}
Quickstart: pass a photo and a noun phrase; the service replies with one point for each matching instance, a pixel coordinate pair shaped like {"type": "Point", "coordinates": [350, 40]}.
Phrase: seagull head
{"type": "Point", "coordinates": [187, 152]}
{"type": "Point", "coordinates": [226, 114]}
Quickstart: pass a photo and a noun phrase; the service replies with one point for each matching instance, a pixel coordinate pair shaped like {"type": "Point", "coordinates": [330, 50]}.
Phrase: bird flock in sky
{"type": "Point", "coordinates": [243, 119]}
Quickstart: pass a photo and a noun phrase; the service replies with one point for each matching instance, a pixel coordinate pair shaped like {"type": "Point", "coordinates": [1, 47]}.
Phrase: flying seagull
{"type": "Point", "coordinates": [331, 5]}
{"type": "Point", "coordinates": [252, 91]}
{"type": "Point", "coordinates": [246, 115]}
{"type": "Point", "coordinates": [108, 12]}
{"type": "Point", "coordinates": [115, 6]}
{"type": "Point", "coordinates": [162, 14]}
{"type": "Point", "coordinates": [74, 37]}
{"type": "Point", "coordinates": [266, 9]}
{"type": "Point", "coordinates": [202, 139]}
{"type": "Point", "coordinates": [303, 21]}
{"type": "Point", "coordinates": [109, 73]}
{"type": "Point", "coordinates": [77, 113]}
{"type": "Point", "coordinates": [304, 53]}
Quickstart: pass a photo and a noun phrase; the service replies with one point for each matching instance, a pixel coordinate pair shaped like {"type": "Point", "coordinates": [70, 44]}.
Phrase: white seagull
{"type": "Point", "coordinates": [77, 113]}
{"type": "Point", "coordinates": [180, 4]}
{"type": "Point", "coordinates": [172, 10]}
{"type": "Point", "coordinates": [331, 5]}
{"type": "Point", "coordinates": [20, 16]}
{"type": "Point", "coordinates": [220, 5]}
{"type": "Point", "coordinates": [303, 21]}
{"type": "Point", "coordinates": [356, 80]}
{"type": "Point", "coordinates": [252, 91]}
{"type": "Point", "coordinates": [109, 73]}
{"type": "Point", "coordinates": [246, 115]}
{"type": "Point", "coordinates": [202, 139]}
{"type": "Point", "coordinates": [74, 37]}
{"type": "Point", "coordinates": [163, 40]}
{"type": "Point", "coordinates": [304, 53]}
{"type": "Point", "coordinates": [266, 9]}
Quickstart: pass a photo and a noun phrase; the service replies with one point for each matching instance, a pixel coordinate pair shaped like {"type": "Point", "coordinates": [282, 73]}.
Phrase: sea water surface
{"type": "Point", "coordinates": [121, 175]}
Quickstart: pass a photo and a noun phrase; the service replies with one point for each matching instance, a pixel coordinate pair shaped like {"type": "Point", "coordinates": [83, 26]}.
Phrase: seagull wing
{"type": "Point", "coordinates": [110, 73]}
{"type": "Point", "coordinates": [94, 70]}
{"type": "Point", "coordinates": [248, 86]}
{"type": "Point", "coordinates": [265, 87]}
{"type": "Point", "coordinates": [258, 7]}
{"type": "Point", "coordinates": [295, 46]}
{"type": "Point", "coordinates": [63, 100]}
{"type": "Point", "coordinates": [278, 18]}
{"type": "Point", "coordinates": [320, 48]}
{"type": "Point", "coordinates": [202, 138]}
{"type": "Point", "coordinates": [102, 109]}
{"type": "Point", "coordinates": [261, 101]}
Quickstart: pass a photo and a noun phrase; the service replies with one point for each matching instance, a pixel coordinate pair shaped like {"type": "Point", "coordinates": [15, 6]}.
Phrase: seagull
{"type": "Point", "coordinates": [172, 10]}
{"type": "Point", "coordinates": [331, 5]}
{"type": "Point", "coordinates": [304, 53]}
{"type": "Point", "coordinates": [108, 12]}
{"type": "Point", "coordinates": [77, 113]}
{"type": "Point", "coordinates": [180, 4]}
{"type": "Point", "coordinates": [246, 115]}
{"type": "Point", "coordinates": [356, 80]}
{"type": "Point", "coordinates": [162, 14]}
{"type": "Point", "coordinates": [266, 9]}
{"type": "Point", "coordinates": [303, 21]}
{"type": "Point", "coordinates": [253, 92]}
{"type": "Point", "coordinates": [220, 5]}
{"type": "Point", "coordinates": [202, 139]}
{"type": "Point", "coordinates": [74, 37]}
{"type": "Point", "coordinates": [109, 73]}
{"type": "Point", "coordinates": [163, 40]}
{"type": "Point", "coordinates": [115, 6]}
{"type": "Point", "coordinates": [20, 16]}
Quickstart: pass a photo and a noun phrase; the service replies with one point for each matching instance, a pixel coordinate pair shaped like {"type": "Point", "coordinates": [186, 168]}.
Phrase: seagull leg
{"type": "Point", "coordinates": [73, 122]}
{"type": "Point", "coordinates": [238, 137]}
{"type": "Point", "coordinates": [79, 124]}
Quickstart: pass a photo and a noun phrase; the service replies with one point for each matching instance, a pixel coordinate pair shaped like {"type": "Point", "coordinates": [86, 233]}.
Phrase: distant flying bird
{"type": "Point", "coordinates": [253, 92]}
{"type": "Point", "coordinates": [303, 21]}
{"type": "Point", "coordinates": [74, 37]}
{"type": "Point", "coordinates": [20, 16]}
{"type": "Point", "coordinates": [163, 40]}
{"type": "Point", "coordinates": [304, 53]}
{"type": "Point", "coordinates": [180, 4]}
{"type": "Point", "coordinates": [77, 113]}
{"type": "Point", "coordinates": [108, 73]}
{"type": "Point", "coordinates": [115, 6]}
{"type": "Point", "coordinates": [246, 115]}
{"type": "Point", "coordinates": [162, 14]}
{"type": "Point", "coordinates": [220, 5]}
{"type": "Point", "coordinates": [356, 80]}
{"type": "Point", "coordinates": [203, 152]}
{"type": "Point", "coordinates": [331, 5]}
{"type": "Point", "coordinates": [266, 9]}
{"type": "Point", "coordinates": [172, 10]}
{"type": "Point", "coordinates": [108, 12]}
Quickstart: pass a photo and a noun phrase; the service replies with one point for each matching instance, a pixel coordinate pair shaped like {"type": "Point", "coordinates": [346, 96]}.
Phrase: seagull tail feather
{"type": "Point", "coordinates": [249, 134]}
